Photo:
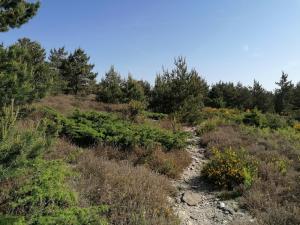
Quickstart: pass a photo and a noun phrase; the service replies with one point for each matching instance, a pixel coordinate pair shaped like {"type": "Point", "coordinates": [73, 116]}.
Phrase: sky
{"type": "Point", "coordinates": [228, 40]}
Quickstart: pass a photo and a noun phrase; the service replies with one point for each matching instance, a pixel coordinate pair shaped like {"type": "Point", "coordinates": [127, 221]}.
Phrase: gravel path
{"type": "Point", "coordinates": [196, 203]}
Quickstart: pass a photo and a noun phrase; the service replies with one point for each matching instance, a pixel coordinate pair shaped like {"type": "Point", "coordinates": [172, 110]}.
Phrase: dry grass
{"type": "Point", "coordinates": [66, 104]}
{"type": "Point", "coordinates": [274, 198]}
{"type": "Point", "coordinates": [170, 163]}
{"type": "Point", "coordinates": [135, 194]}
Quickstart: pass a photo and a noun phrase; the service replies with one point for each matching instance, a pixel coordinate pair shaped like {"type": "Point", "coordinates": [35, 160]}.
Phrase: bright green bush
{"type": "Point", "coordinates": [93, 127]}
{"type": "Point", "coordinates": [230, 169]}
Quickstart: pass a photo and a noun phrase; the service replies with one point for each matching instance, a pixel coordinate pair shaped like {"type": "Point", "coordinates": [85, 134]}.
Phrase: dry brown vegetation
{"type": "Point", "coordinates": [134, 194]}
{"type": "Point", "coordinates": [274, 196]}
{"type": "Point", "coordinates": [66, 104]}
{"type": "Point", "coordinates": [170, 163]}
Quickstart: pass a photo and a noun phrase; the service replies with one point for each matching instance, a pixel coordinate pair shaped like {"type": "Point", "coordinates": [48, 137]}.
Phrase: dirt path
{"type": "Point", "coordinates": [196, 203]}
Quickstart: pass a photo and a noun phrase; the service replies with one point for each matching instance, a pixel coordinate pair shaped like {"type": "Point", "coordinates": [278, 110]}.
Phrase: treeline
{"type": "Point", "coordinates": [27, 75]}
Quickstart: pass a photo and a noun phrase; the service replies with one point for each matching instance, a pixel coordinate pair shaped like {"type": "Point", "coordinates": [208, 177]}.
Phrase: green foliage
{"type": "Point", "coordinates": [254, 118]}
{"type": "Point", "coordinates": [7, 120]}
{"type": "Point", "coordinates": [93, 127]}
{"type": "Point", "coordinates": [154, 115]}
{"type": "Point", "coordinates": [135, 108]}
{"type": "Point", "coordinates": [229, 95]}
{"type": "Point", "coordinates": [77, 72]}
{"type": "Point", "coordinates": [57, 60]}
{"type": "Point", "coordinates": [113, 89]}
{"type": "Point", "coordinates": [176, 90]}
{"type": "Point", "coordinates": [25, 76]}
{"type": "Point", "coordinates": [230, 169]}
{"type": "Point", "coordinates": [261, 98]}
{"type": "Point", "coordinates": [18, 149]}
{"type": "Point", "coordinates": [110, 88]}
{"type": "Point", "coordinates": [274, 121]}
{"type": "Point", "coordinates": [34, 190]}
{"type": "Point", "coordinates": [13, 14]}
{"type": "Point", "coordinates": [284, 95]}
{"type": "Point", "coordinates": [209, 125]}
{"type": "Point", "coordinates": [45, 191]}
{"type": "Point", "coordinates": [133, 90]}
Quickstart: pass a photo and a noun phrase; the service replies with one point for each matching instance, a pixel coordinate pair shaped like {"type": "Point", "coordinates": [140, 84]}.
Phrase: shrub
{"type": "Point", "coordinates": [136, 195]}
{"type": "Point", "coordinates": [230, 169]}
{"type": "Point", "coordinates": [254, 118]}
{"type": "Point", "coordinates": [92, 127]}
{"type": "Point", "coordinates": [274, 121]}
{"type": "Point", "coordinates": [297, 126]}
{"type": "Point", "coordinates": [135, 108]}
{"type": "Point", "coordinates": [35, 190]}
{"type": "Point", "coordinates": [154, 115]}
{"type": "Point", "coordinates": [209, 125]}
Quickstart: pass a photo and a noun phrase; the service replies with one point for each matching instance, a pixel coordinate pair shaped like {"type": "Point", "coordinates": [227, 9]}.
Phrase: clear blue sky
{"type": "Point", "coordinates": [230, 40]}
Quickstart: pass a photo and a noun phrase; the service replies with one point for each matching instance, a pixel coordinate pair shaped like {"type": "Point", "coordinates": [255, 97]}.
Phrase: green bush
{"type": "Point", "coordinates": [154, 115]}
{"type": "Point", "coordinates": [35, 191]}
{"type": "Point", "coordinates": [209, 125]}
{"type": "Point", "coordinates": [274, 121]}
{"type": "Point", "coordinates": [230, 169]}
{"type": "Point", "coordinates": [254, 118]}
{"type": "Point", "coordinates": [93, 127]}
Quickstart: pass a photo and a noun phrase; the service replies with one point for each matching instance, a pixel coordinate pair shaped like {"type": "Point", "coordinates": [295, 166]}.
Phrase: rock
{"type": "Point", "coordinates": [191, 198]}
{"type": "Point", "coordinates": [225, 209]}
{"type": "Point", "coordinates": [221, 205]}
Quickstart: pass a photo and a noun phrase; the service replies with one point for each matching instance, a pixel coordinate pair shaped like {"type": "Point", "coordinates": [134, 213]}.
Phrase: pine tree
{"type": "Point", "coordinates": [25, 76]}
{"type": "Point", "coordinates": [179, 89]}
{"type": "Point", "coordinates": [57, 58]}
{"type": "Point", "coordinates": [14, 13]}
{"type": "Point", "coordinates": [133, 90]}
{"type": "Point", "coordinates": [296, 97]}
{"type": "Point", "coordinates": [261, 98]}
{"type": "Point", "coordinates": [283, 95]}
{"type": "Point", "coordinates": [77, 72]}
{"type": "Point", "coordinates": [110, 88]}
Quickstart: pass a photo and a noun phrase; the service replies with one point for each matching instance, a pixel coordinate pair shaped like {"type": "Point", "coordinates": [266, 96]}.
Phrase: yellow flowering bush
{"type": "Point", "coordinates": [297, 126]}
{"type": "Point", "coordinates": [229, 169]}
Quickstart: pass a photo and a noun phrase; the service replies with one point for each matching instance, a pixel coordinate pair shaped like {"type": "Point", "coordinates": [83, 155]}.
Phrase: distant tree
{"type": "Point", "coordinates": [110, 88]}
{"type": "Point", "coordinates": [296, 97]}
{"type": "Point", "coordinates": [78, 73]}
{"type": "Point", "coordinates": [133, 90]}
{"type": "Point", "coordinates": [178, 90]}
{"type": "Point", "coordinates": [261, 98]}
{"type": "Point", "coordinates": [57, 60]}
{"type": "Point", "coordinates": [283, 95]}
{"type": "Point", "coordinates": [24, 74]}
{"type": "Point", "coordinates": [14, 13]}
{"type": "Point", "coordinates": [243, 97]}
{"type": "Point", "coordinates": [57, 57]}
{"type": "Point", "coordinates": [223, 95]}
{"type": "Point", "coordinates": [146, 88]}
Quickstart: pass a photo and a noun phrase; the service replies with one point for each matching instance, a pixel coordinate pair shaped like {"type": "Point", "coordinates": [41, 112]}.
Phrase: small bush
{"type": "Point", "coordinates": [209, 125]}
{"type": "Point", "coordinates": [274, 121]}
{"type": "Point", "coordinates": [254, 118]}
{"type": "Point", "coordinates": [135, 108]}
{"type": "Point", "coordinates": [135, 194]}
{"type": "Point", "coordinates": [229, 169]}
{"type": "Point", "coordinates": [297, 126]}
